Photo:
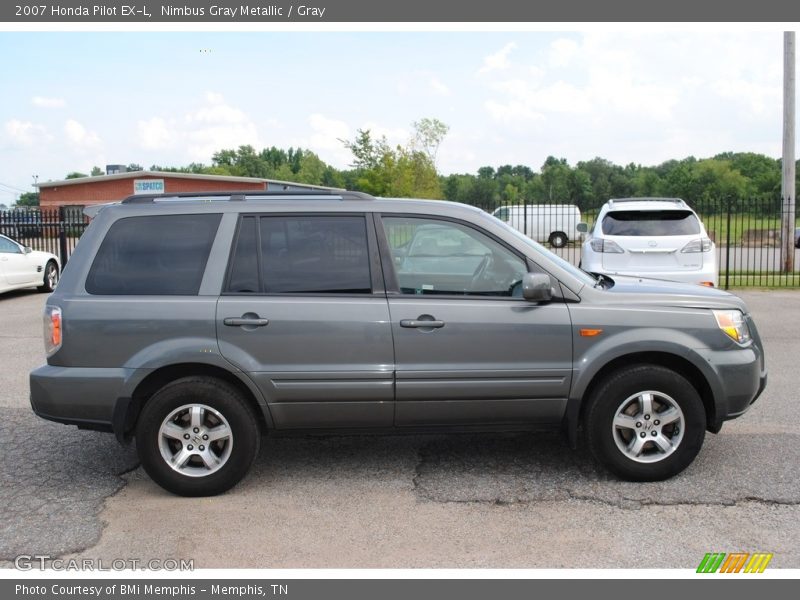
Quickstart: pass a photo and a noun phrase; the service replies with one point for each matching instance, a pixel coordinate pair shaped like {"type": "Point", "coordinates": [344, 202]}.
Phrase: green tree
{"type": "Point", "coordinates": [428, 136]}
{"type": "Point", "coordinates": [97, 171]}
{"type": "Point", "coordinates": [75, 175]}
{"type": "Point", "coordinates": [28, 199]}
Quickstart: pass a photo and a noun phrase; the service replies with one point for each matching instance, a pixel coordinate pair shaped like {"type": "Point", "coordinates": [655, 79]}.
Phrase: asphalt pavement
{"type": "Point", "coordinates": [499, 500]}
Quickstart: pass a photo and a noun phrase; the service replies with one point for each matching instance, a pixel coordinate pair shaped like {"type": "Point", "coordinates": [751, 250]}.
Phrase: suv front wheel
{"type": "Point", "coordinates": [645, 423]}
{"type": "Point", "coordinates": [197, 436]}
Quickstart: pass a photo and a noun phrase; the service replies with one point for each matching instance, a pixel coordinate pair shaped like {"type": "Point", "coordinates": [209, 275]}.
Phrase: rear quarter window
{"type": "Point", "coordinates": [153, 255]}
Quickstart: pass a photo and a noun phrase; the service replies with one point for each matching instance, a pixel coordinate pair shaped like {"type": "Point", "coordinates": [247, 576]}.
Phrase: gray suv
{"type": "Point", "coordinates": [197, 323]}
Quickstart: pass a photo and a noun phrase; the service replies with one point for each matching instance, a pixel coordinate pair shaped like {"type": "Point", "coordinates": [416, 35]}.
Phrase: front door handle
{"type": "Point", "coordinates": [245, 322]}
{"type": "Point", "coordinates": [422, 323]}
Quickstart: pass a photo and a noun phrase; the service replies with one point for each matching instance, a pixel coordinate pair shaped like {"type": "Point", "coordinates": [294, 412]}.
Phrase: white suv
{"type": "Point", "coordinates": [660, 238]}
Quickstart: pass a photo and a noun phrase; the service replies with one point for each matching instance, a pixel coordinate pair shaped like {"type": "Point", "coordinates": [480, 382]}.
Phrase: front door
{"type": "Point", "coordinates": [15, 266]}
{"type": "Point", "coordinates": [468, 347]}
{"type": "Point", "coordinates": [304, 313]}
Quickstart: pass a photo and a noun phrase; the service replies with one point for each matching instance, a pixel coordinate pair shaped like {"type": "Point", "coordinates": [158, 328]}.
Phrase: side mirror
{"type": "Point", "coordinates": [536, 287]}
{"type": "Point", "coordinates": [27, 250]}
{"type": "Point", "coordinates": [582, 227]}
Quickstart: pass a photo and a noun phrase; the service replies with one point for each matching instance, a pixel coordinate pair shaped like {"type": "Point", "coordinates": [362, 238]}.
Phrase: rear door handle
{"type": "Point", "coordinates": [421, 323]}
{"type": "Point", "coordinates": [245, 321]}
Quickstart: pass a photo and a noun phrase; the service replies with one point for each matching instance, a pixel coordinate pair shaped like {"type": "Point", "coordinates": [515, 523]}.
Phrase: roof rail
{"type": "Point", "coordinates": [241, 195]}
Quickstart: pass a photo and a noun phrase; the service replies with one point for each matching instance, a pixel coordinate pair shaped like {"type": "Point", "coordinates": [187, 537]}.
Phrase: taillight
{"type": "Point", "coordinates": [53, 330]}
{"type": "Point", "coordinates": [607, 246]}
{"type": "Point", "coordinates": [698, 245]}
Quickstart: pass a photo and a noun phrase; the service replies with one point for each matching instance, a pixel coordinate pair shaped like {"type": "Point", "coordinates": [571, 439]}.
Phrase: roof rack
{"type": "Point", "coordinates": [240, 196]}
{"type": "Point", "coordinates": [614, 201]}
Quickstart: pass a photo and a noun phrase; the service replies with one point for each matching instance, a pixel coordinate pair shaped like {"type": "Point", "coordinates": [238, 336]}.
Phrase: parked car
{"type": "Point", "coordinates": [556, 224]}
{"type": "Point", "coordinates": [797, 238]}
{"type": "Point", "coordinates": [661, 238]}
{"type": "Point", "coordinates": [197, 322]}
{"type": "Point", "coordinates": [21, 267]}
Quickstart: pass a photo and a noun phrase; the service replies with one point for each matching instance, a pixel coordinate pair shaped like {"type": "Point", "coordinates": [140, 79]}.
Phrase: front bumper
{"type": "Point", "coordinates": [739, 379]}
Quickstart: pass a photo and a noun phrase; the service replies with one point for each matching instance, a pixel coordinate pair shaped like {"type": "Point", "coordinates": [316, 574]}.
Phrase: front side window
{"type": "Point", "coordinates": [433, 257]}
{"type": "Point", "coordinates": [651, 223]}
{"type": "Point", "coordinates": [8, 247]}
{"type": "Point", "coordinates": [301, 255]}
{"type": "Point", "coordinates": [154, 255]}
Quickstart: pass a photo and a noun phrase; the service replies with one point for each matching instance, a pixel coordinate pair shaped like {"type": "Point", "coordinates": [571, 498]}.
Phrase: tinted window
{"type": "Point", "coordinates": [651, 222]}
{"type": "Point", "coordinates": [244, 269]}
{"type": "Point", "coordinates": [302, 254]}
{"type": "Point", "coordinates": [445, 258]}
{"type": "Point", "coordinates": [157, 255]}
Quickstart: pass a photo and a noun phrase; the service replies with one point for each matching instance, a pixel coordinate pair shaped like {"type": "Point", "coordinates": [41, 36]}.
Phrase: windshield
{"type": "Point", "coordinates": [651, 223]}
{"type": "Point", "coordinates": [580, 275]}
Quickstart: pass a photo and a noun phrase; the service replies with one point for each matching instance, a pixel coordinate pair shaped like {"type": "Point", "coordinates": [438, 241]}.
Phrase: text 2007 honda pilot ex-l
{"type": "Point", "coordinates": [197, 323]}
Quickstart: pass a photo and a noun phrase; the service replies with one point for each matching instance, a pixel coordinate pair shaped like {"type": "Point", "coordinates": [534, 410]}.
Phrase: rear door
{"type": "Point", "coordinates": [469, 349]}
{"type": "Point", "coordinates": [652, 240]}
{"type": "Point", "coordinates": [304, 312]}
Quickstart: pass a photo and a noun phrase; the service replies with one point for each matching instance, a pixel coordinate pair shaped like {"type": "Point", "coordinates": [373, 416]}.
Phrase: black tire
{"type": "Point", "coordinates": [558, 239]}
{"type": "Point", "coordinates": [603, 436]}
{"type": "Point", "coordinates": [213, 393]}
{"type": "Point", "coordinates": [50, 278]}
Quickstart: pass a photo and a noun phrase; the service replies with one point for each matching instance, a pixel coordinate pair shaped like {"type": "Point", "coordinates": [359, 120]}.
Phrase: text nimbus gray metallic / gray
{"type": "Point", "coordinates": [242, 11]}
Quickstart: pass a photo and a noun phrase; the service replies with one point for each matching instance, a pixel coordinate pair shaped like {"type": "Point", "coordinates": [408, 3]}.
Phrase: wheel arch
{"type": "Point", "coordinates": [127, 409]}
{"type": "Point", "coordinates": [577, 406]}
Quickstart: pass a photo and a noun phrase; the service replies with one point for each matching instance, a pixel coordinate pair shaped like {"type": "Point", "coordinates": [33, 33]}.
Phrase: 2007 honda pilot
{"type": "Point", "coordinates": [198, 322]}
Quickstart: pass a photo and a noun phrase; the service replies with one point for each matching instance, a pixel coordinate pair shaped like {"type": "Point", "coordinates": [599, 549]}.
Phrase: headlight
{"type": "Point", "coordinates": [733, 324]}
{"type": "Point", "coordinates": [607, 246]}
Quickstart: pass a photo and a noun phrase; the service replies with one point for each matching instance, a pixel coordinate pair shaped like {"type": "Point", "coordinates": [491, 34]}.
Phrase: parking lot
{"type": "Point", "coordinates": [405, 501]}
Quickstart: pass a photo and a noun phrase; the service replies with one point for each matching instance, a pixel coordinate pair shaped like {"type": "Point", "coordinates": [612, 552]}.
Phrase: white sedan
{"type": "Point", "coordinates": [21, 267]}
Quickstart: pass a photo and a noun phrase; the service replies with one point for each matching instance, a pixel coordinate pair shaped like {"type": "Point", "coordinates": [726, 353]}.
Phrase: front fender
{"type": "Point", "coordinates": [591, 359]}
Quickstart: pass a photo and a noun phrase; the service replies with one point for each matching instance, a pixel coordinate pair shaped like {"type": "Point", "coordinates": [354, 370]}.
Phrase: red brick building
{"type": "Point", "coordinates": [84, 191]}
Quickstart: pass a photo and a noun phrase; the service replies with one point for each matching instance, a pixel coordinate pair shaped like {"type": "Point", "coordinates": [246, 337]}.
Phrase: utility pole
{"type": "Point", "coordinates": [788, 185]}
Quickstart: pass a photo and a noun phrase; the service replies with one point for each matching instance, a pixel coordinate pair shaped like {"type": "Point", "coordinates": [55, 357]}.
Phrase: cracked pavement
{"type": "Point", "coordinates": [479, 500]}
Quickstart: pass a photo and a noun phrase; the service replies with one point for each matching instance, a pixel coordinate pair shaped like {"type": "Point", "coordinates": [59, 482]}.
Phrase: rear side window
{"type": "Point", "coordinates": [301, 255]}
{"type": "Point", "coordinates": [651, 223]}
{"type": "Point", "coordinates": [155, 255]}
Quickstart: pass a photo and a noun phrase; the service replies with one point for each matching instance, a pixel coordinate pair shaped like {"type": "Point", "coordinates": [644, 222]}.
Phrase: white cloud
{"type": "Point", "coordinates": [43, 102]}
{"type": "Point", "coordinates": [393, 135]}
{"type": "Point", "coordinates": [438, 87]}
{"type": "Point", "coordinates": [80, 137]}
{"type": "Point", "coordinates": [155, 134]}
{"type": "Point", "coordinates": [324, 139]}
{"type": "Point", "coordinates": [754, 98]}
{"type": "Point", "coordinates": [562, 51]}
{"type": "Point", "coordinates": [25, 133]}
{"type": "Point", "coordinates": [208, 128]}
{"type": "Point", "coordinates": [498, 60]}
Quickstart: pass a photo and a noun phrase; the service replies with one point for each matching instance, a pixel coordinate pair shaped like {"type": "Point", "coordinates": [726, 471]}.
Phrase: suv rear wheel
{"type": "Point", "coordinates": [197, 436]}
{"type": "Point", "coordinates": [645, 423]}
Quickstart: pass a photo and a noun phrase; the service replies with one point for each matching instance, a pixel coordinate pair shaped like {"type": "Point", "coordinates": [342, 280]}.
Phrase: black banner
{"type": "Point", "coordinates": [730, 588]}
{"type": "Point", "coordinates": [441, 11]}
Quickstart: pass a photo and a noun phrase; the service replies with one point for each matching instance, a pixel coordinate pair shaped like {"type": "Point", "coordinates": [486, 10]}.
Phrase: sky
{"type": "Point", "coordinates": [72, 100]}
